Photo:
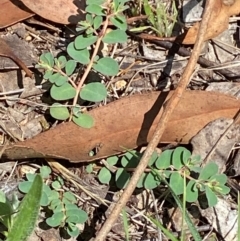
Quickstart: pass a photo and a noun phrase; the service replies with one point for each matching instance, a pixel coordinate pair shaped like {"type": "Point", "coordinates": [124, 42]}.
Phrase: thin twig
{"type": "Point", "coordinates": [168, 109]}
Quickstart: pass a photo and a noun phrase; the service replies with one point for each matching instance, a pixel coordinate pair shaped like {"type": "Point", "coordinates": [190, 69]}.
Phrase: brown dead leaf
{"type": "Point", "coordinates": [217, 24]}
{"type": "Point", "coordinates": [125, 124]}
{"type": "Point", "coordinates": [13, 11]}
{"type": "Point", "coordinates": [59, 11]}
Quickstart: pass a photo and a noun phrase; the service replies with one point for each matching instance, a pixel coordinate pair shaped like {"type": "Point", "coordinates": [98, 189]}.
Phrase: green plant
{"type": "Point", "coordinates": [125, 224]}
{"type": "Point", "coordinates": [62, 210]}
{"type": "Point", "coordinates": [162, 18]}
{"type": "Point", "coordinates": [174, 165]}
{"type": "Point", "coordinates": [20, 219]}
{"type": "Point", "coordinates": [85, 51]}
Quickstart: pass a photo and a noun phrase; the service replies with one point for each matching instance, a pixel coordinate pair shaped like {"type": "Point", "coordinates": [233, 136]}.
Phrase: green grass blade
{"type": "Point", "coordinates": [148, 12]}
{"type": "Point", "coordinates": [125, 225]}
{"type": "Point", "coordinates": [25, 220]}
{"type": "Point", "coordinates": [167, 233]}
{"type": "Point", "coordinates": [184, 207]}
{"type": "Point", "coordinates": [189, 222]}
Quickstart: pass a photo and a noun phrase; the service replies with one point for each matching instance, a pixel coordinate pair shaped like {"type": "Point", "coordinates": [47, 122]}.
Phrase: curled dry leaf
{"type": "Point", "coordinates": [58, 11]}
{"type": "Point", "coordinates": [217, 24]}
{"type": "Point", "coordinates": [127, 123]}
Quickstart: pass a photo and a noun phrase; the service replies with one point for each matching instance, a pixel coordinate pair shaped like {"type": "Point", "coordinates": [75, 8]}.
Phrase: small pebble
{"type": "Point", "coordinates": [28, 38]}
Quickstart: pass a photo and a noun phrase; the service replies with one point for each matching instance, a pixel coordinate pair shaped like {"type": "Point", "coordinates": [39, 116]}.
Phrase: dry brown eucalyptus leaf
{"type": "Point", "coordinates": [58, 11]}
{"type": "Point", "coordinates": [13, 11]}
{"type": "Point", "coordinates": [127, 123]}
{"type": "Point", "coordinates": [217, 24]}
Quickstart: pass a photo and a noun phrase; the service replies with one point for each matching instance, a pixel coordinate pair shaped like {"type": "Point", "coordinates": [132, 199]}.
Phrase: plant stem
{"type": "Point", "coordinates": [89, 67]}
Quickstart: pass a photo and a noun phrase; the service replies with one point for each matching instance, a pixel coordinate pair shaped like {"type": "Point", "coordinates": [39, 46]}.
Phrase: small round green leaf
{"type": "Point", "coordinates": [130, 159]}
{"type": "Point", "coordinates": [55, 220]}
{"type": "Point", "coordinates": [112, 160]}
{"type": "Point", "coordinates": [224, 190]}
{"type": "Point", "coordinates": [70, 197]}
{"type": "Point", "coordinates": [115, 36]}
{"type": "Point", "coordinates": [151, 181]}
{"type": "Point", "coordinates": [61, 80]}
{"type": "Point", "coordinates": [59, 113]}
{"type": "Point", "coordinates": [70, 67]}
{"type": "Point", "coordinates": [61, 62]}
{"type": "Point", "coordinates": [141, 181]}
{"type": "Point", "coordinates": [48, 74]}
{"type": "Point", "coordinates": [119, 21]}
{"type": "Point", "coordinates": [53, 78]}
{"type": "Point", "coordinates": [71, 206]}
{"type": "Point", "coordinates": [176, 183]}
{"type": "Point", "coordinates": [97, 22]}
{"type": "Point", "coordinates": [107, 66]}
{"type": "Point", "coordinates": [153, 159]}
{"type": "Point", "coordinates": [73, 218]}
{"type": "Point", "coordinates": [208, 170]}
{"type": "Point", "coordinates": [219, 178]}
{"type": "Point", "coordinates": [44, 200]}
{"type": "Point", "coordinates": [76, 216]}
{"type": "Point", "coordinates": [180, 157]}
{"type": "Point", "coordinates": [56, 185]}
{"type": "Point", "coordinates": [122, 178]}
{"type": "Point", "coordinates": [211, 197]}
{"type": "Point", "coordinates": [46, 189]}
{"type": "Point", "coordinates": [59, 208]}
{"type": "Point", "coordinates": [73, 230]}
{"type": "Point", "coordinates": [47, 58]}
{"type": "Point", "coordinates": [191, 191]}
{"type": "Point", "coordinates": [45, 171]}
{"type": "Point", "coordinates": [164, 160]}
{"type": "Point", "coordinates": [82, 56]}
{"type": "Point", "coordinates": [52, 195]}
{"type": "Point", "coordinates": [89, 19]}
{"type": "Point", "coordinates": [30, 176]}
{"type": "Point", "coordinates": [89, 168]}
{"type": "Point", "coordinates": [95, 9]}
{"type": "Point", "coordinates": [94, 92]}
{"type": "Point", "coordinates": [104, 175]}
{"type": "Point", "coordinates": [56, 205]}
{"type": "Point", "coordinates": [25, 186]}
{"type": "Point", "coordinates": [84, 120]}
{"type": "Point", "coordinates": [64, 92]}
{"type": "Point", "coordinates": [84, 42]}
